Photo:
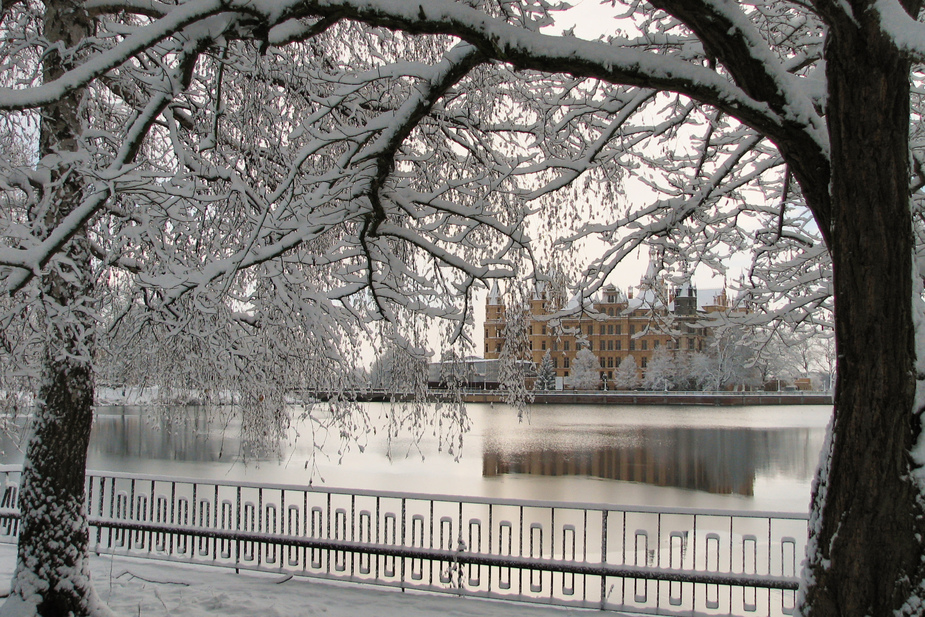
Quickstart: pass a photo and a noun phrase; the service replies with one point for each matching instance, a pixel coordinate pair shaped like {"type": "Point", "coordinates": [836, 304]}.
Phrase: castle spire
{"type": "Point", "coordinates": [494, 296]}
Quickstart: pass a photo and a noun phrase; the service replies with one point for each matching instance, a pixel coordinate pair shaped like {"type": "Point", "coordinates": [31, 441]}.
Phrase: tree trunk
{"type": "Point", "coordinates": [52, 577]}
{"type": "Point", "coordinates": [865, 553]}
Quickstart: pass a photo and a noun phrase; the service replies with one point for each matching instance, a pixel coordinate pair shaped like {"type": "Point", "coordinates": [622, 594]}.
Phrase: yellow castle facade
{"type": "Point", "coordinates": [612, 325]}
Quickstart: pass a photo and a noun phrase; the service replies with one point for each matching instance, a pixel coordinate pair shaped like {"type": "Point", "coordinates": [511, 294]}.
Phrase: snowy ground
{"type": "Point", "coordinates": [149, 588]}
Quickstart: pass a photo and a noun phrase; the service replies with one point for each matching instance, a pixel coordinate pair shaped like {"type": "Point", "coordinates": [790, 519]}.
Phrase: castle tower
{"type": "Point", "coordinates": [685, 300]}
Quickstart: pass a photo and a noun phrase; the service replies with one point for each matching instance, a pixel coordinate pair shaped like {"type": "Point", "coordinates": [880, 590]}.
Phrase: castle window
{"type": "Point", "coordinates": [544, 345]}
{"type": "Point", "coordinates": [609, 345]}
{"type": "Point", "coordinates": [619, 329]}
{"type": "Point", "coordinates": [632, 344]}
{"type": "Point", "coordinates": [566, 346]}
{"type": "Point", "coordinates": [619, 345]}
{"type": "Point", "coordinates": [610, 329]}
{"type": "Point", "coordinates": [603, 362]}
{"type": "Point", "coordinates": [565, 363]}
{"type": "Point", "coordinates": [645, 345]}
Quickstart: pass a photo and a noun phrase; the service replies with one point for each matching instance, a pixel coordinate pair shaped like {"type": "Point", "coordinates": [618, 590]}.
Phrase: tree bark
{"type": "Point", "coordinates": [52, 577]}
{"type": "Point", "coordinates": [865, 554]}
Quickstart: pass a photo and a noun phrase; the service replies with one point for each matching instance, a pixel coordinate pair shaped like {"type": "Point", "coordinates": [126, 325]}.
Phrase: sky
{"type": "Point", "coordinates": [587, 17]}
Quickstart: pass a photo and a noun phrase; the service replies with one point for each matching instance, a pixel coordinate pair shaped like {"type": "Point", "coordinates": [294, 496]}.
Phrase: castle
{"type": "Point", "coordinates": [612, 325]}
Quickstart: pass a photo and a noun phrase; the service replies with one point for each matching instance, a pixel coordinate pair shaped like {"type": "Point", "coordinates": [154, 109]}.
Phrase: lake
{"type": "Point", "coordinates": [755, 458]}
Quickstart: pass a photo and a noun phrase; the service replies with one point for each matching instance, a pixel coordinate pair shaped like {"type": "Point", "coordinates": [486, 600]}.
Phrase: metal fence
{"type": "Point", "coordinates": [662, 561]}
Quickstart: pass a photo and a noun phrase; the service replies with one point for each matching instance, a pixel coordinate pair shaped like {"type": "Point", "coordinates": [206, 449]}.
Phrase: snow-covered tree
{"type": "Point", "coordinates": [195, 148]}
{"type": "Point", "coordinates": [683, 378]}
{"type": "Point", "coordinates": [703, 372]}
{"type": "Point", "coordinates": [661, 372]}
{"type": "Point", "coordinates": [626, 377]}
{"type": "Point", "coordinates": [585, 373]}
{"type": "Point", "coordinates": [814, 355]}
{"type": "Point", "coordinates": [546, 373]}
{"type": "Point", "coordinates": [204, 216]}
{"type": "Point", "coordinates": [515, 358]}
{"type": "Point", "coordinates": [728, 360]}
{"type": "Point", "coordinates": [788, 352]}
{"type": "Point", "coordinates": [395, 368]}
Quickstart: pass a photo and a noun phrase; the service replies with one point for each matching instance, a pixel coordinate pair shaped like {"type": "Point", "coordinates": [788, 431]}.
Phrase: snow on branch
{"type": "Point", "coordinates": [907, 33]}
{"type": "Point", "coordinates": [236, 149]}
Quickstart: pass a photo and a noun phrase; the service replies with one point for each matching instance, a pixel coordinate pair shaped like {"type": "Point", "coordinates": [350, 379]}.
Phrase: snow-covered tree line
{"type": "Point", "coordinates": [254, 184]}
{"type": "Point", "coordinates": [736, 357]}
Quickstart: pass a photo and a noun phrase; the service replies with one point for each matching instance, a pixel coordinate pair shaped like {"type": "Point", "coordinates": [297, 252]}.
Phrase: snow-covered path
{"type": "Point", "coordinates": [148, 588]}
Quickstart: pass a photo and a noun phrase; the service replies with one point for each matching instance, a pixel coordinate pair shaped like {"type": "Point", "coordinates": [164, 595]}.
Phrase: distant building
{"type": "Point", "coordinates": [471, 373]}
{"type": "Point", "coordinates": [612, 325]}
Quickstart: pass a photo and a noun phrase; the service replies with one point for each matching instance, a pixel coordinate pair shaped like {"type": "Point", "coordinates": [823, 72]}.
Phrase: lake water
{"type": "Point", "coordinates": [760, 458]}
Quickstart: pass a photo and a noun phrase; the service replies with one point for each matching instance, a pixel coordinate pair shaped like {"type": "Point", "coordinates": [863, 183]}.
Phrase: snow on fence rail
{"type": "Point", "coordinates": [637, 559]}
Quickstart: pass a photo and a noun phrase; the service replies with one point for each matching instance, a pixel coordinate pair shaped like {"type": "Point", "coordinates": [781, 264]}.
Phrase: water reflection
{"type": "Point", "coordinates": [187, 434]}
{"type": "Point", "coordinates": [758, 457]}
{"type": "Point", "coordinates": [184, 434]}
{"type": "Point", "coordinates": [720, 461]}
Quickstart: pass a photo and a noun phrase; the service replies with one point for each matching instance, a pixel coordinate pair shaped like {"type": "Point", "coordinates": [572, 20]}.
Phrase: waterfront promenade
{"type": "Point", "coordinates": [600, 397]}
{"type": "Point", "coordinates": [632, 397]}
{"type": "Point", "coordinates": [617, 558]}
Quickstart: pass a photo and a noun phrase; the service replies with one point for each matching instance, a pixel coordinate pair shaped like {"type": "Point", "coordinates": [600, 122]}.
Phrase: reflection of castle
{"type": "Point", "coordinates": [710, 460]}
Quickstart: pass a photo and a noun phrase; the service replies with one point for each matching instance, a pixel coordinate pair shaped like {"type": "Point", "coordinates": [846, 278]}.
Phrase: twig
{"type": "Point", "coordinates": [147, 580]}
{"type": "Point", "coordinates": [158, 596]}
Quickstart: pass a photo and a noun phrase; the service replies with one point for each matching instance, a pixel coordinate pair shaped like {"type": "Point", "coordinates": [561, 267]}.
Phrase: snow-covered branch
{"type": "Point", "coordinates": [907, 33]}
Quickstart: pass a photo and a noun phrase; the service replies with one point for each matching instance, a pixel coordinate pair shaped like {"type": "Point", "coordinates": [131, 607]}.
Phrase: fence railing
{"type": "Point", "coordinates": [637, 559]}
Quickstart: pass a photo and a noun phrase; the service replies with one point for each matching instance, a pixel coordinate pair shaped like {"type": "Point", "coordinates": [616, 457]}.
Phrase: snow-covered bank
{"type": "Point", "coordinates": [149, 588]}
